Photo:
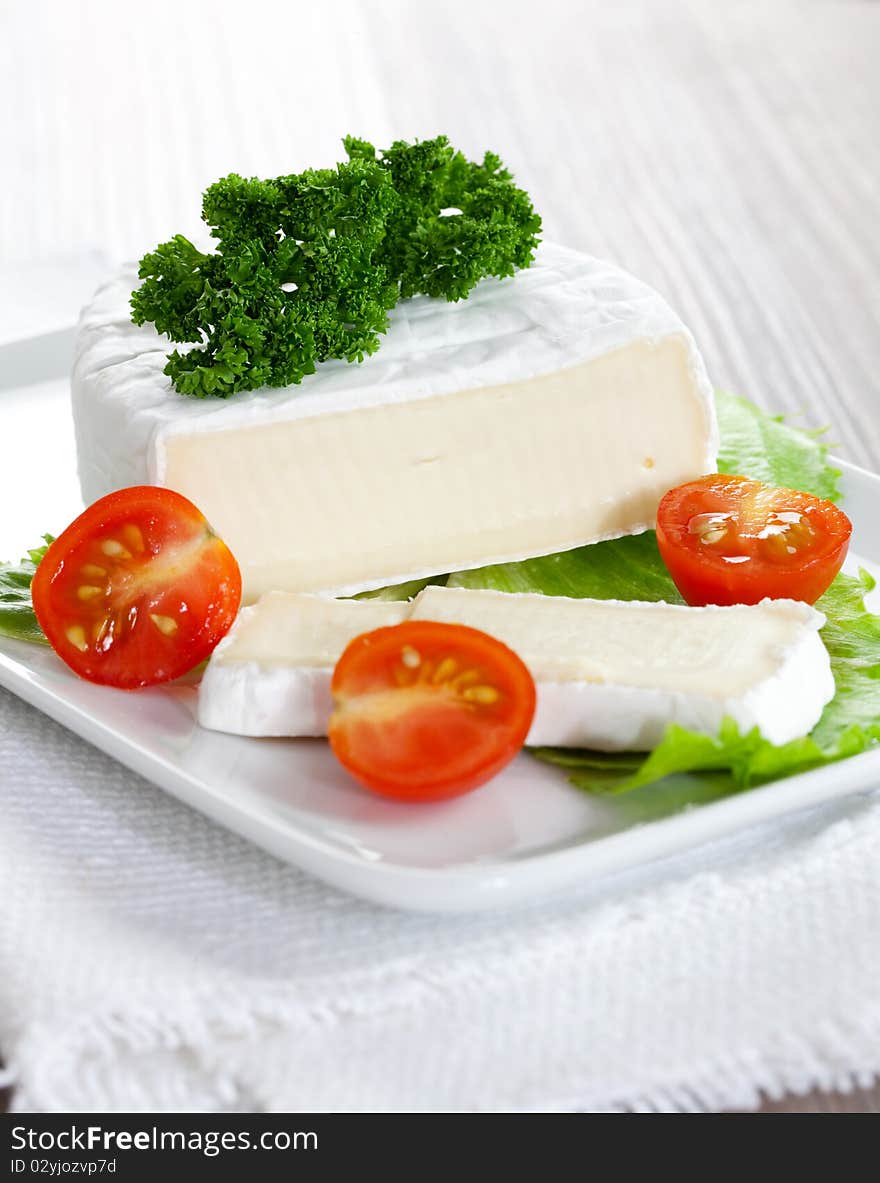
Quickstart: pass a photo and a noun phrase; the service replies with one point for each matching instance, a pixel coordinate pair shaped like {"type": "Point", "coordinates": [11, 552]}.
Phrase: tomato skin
{"type": "Point", "coordinates": [426, 711]}
{"type": "Point", "coordinates": [733, 540]}
{"type": "Point", "coordinates": [138, 590]}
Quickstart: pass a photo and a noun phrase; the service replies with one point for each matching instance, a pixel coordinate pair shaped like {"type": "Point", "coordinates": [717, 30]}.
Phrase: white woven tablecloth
{"type": "Point", "coordinates": [149, 960]}
{"type": "Point", "coordinates": [728, 154]}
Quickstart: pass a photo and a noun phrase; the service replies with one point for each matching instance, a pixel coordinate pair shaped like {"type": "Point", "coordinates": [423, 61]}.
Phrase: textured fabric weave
{"type": "Point", "coordinates": [149, 959]}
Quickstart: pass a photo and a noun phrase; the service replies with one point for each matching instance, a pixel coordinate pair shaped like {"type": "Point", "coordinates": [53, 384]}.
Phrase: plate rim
{"type": "Point", "coordinates": [478, 884]}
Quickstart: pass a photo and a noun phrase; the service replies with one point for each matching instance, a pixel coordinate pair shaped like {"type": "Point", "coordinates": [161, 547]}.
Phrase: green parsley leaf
{"type": "Point", "coordinates": [308, 266]}
{"type": "Point", "coordinates": [455, 221]}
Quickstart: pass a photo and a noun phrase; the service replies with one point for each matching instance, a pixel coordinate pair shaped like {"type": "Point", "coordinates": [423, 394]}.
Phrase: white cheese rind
{"type": "Point", "coordinates": [567, 310]}
{"type": "Point", "coordinates": [258, 696]}
{"type": "Point", "coordinates": [612, 718]}
{"type": "Point", "coordinates": [252, 699]}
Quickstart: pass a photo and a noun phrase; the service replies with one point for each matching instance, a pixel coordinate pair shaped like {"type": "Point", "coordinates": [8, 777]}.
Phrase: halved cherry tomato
{"type": "Point", "coordinates": [138, 590]}
{"type": "Point", "coordinates": [733, 540]}
{"type": "Point", "coordinates": [426, 710]}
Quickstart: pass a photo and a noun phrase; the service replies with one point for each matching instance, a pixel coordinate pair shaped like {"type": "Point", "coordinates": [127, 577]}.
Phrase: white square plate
{"type": "Point", "coordinates": [526, 835]}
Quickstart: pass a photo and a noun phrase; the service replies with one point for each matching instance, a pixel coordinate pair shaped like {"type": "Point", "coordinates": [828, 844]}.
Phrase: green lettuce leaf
{"type": "Point", "coordinates": [765, 447]}
{"type": "Point", "coordinates": [623, 569]}
{"type": "Point", "coordinates": [17, 617]}
{"type": "Point", "coordinates": [400, 591]}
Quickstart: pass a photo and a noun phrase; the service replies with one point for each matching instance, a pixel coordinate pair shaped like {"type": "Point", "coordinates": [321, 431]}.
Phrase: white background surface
{"type": "Point", "coordinates": [725, 152]}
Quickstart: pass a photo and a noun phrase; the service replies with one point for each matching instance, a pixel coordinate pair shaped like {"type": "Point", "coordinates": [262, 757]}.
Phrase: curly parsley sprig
{"type": "Point", "coordinates": [308, 266]}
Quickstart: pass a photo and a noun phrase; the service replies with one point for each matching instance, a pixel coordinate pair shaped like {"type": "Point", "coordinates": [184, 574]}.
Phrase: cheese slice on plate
{"type": "Point", "coordinates": [610, 674]}
{"type": "Point", "coordinates": [545, 411]}
{"type": "Point", "coordinates": [271, 674]}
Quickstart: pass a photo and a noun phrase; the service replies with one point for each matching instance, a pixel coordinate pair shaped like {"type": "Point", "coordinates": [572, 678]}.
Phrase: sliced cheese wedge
{"type": "Point", "coordinates": [546, 411]}
{"type": "Point", "coordinates": [271, 674]}
{"type": "Point", "coordinates": [610, 674]}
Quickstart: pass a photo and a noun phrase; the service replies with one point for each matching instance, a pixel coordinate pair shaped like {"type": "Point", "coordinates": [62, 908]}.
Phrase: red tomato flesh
{"type": "Point", "coordinates": [426, 711]}
{"type": "Point", "coordinates": [138, 590]}
{"type": "Point", "coordinates": [733, 540]}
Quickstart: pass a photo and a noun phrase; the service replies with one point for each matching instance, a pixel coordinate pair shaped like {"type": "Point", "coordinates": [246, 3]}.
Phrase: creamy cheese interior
{"type": "Point", "coordinates": [304, 631]}
{"type": "Point", "coordinates": [357, 498]}
{"type": "Point", "coordinates": [720, 652]}
{"type": "Point", "coordinates": [715, 652]}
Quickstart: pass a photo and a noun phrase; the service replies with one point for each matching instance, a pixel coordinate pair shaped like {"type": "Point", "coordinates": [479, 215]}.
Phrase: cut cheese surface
{"type": "Point", "coordinates": [718, 652]}
{"type": "Point", "coordinates": [304, 630]}
{"type": "Point", "coordinates": [544, 412]}
{"type": "Point", "coordinates": [610, 674]}
{"type": "Point", "coordinates": [449, 482]}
